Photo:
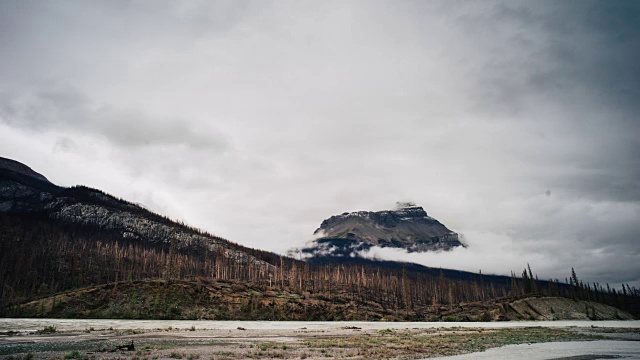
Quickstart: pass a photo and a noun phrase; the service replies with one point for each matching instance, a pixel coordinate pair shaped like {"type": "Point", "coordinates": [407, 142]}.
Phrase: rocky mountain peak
{"type": "Point", "coordinates": [406, 226]}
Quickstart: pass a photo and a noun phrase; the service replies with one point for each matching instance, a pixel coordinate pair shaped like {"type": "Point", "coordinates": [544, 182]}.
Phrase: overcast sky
{"type": "Point", "coordinates": [514, 124]}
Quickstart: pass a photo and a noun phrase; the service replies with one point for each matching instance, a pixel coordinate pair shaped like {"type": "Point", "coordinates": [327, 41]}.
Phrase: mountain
{"type": "Point", "coordinates": [80, 252]}
{"type": "Point", "coordinates": [54, 238]}
{"type": "Point", "coordinates": [406, 227]}
{"type": "Point", "coordinates": [22, 190]}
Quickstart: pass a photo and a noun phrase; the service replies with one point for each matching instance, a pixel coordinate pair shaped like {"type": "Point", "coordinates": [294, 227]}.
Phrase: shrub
{"type": "Point", "coordinates": [75, 355]}
{"type": "Point", "coordinates": [47, 330]}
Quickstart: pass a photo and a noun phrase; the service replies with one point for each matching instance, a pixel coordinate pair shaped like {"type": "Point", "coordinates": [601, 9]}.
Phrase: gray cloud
{"type": "Point", "coordinates": [257, 120]}
{"type": "Point", "coordinates": [69, 111]}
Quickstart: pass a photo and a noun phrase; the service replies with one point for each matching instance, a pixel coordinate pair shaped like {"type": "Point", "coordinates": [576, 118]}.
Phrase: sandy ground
{"type": "Point", "coordinates": [237, 340]}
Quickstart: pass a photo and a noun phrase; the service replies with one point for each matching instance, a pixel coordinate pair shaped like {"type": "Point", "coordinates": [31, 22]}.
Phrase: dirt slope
{"type": "Point", "coordinates": [556, 308]}
{"type": "Point", "coordinates": [227, 300]}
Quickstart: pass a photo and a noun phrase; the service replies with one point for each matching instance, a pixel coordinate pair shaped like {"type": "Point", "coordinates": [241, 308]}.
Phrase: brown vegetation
{"type": "Point", "coordinates": [229, 300]}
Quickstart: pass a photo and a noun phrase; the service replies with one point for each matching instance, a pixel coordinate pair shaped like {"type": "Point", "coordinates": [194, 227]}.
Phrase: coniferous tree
{"type": "Point", "coordinates": [526, 282]}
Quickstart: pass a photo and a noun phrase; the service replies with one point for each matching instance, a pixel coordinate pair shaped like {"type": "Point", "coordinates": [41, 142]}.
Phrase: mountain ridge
{"type": "Point", "coordinates": [25, 191]}
{"type": "Point", "coordinates": [18, 167]}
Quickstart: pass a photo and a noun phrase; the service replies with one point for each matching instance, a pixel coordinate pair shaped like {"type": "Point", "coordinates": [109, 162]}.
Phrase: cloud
{"type": "Point", "coordinates": [551, 257]}
{"type": "Point", "coordinates": [66, 110]}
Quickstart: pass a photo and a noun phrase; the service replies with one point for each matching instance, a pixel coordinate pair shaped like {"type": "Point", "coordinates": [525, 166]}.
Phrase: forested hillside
{"type": "Point", "coordinates": [40, 258]}
{"type": "Point", "coordinates": [55, 239]}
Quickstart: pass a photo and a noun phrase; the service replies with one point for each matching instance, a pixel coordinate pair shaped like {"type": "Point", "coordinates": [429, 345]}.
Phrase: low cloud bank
{"type": "Point", "coordinates": [499, 254]}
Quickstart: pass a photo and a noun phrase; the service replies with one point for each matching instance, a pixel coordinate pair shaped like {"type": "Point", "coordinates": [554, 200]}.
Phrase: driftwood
{"type": "Point", "coordinates": [351, 328]}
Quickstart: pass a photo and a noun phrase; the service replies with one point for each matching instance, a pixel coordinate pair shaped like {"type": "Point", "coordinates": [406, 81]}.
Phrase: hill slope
{"type": "Point", "coordinates": [228, 300]}
{"type": "Point", "coordinates": [28, 192]}
{"type": "Point", "coordinates": [54, 238]}
{"type": "Point", "coordinates": [20, 168]}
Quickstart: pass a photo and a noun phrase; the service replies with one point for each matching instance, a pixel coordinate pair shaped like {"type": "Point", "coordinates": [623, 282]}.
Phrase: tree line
{"type": "Point", "coordinates": [41, 257]}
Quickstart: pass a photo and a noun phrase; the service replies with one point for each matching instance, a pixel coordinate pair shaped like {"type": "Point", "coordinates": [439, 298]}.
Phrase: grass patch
{"type": "Point", "coordinates": [28, 356]}
{"type": "Point", "coordinates": [388, 343]}
{"type": "Point", "coordinates": [76, 355]}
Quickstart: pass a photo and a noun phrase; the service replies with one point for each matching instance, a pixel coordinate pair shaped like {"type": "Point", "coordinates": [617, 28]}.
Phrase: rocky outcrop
{"type": "Point", "coordinates": [407, 226]}
{"type": "Point", "coordinates": [140, 228]}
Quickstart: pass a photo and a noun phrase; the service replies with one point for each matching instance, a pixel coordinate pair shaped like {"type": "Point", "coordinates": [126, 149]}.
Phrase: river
{"type": "Point", "coordinates": [22, 325]}
{"type": "Point", "coordinates": [575, 350]}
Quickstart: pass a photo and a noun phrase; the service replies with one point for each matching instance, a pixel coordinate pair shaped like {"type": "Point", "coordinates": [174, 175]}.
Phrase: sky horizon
{"type": "Point", "coordinates": [513, 123]}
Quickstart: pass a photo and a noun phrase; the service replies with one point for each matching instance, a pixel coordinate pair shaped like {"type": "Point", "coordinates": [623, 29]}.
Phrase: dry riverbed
{"type": "Point", "coordinates": [339, 341]}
